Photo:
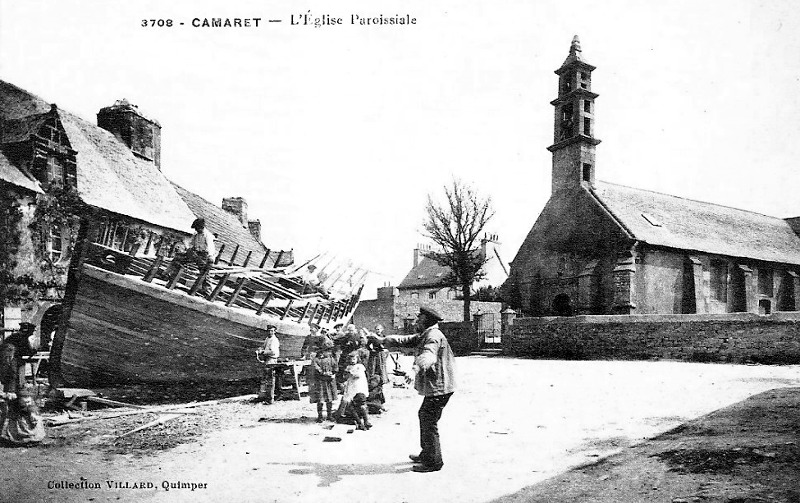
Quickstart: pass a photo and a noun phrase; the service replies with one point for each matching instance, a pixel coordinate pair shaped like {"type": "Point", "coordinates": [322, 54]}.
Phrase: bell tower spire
{"type": "Point", "coordinates": [573, 131]}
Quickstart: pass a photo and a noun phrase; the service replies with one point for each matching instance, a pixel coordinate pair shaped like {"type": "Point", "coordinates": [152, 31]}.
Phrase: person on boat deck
{"type": "Point", "coordinates": [311, 282]}
{"type": "Point", "coordinates": [20, 422]}
{"type": "Point", "coordinates": [201, 253]}
{"type": "Point", "coordinates": [12, 366]}
{"type": "Point", "coordinates": [271, 374]}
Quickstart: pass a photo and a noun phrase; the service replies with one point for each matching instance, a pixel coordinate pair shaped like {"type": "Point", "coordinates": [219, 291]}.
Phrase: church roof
{"type": "Point", "coordinates": [575, 55]}
{"type": "Point", "coordinates": [675, 222]}
{"type": "Point", "coordinates": [109, 175]}
{"type": "Point", "coordinates": [230, 231]}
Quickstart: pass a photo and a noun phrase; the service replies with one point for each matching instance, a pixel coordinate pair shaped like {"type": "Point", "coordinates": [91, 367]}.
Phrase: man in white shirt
{"type": "Point", "coordinates": [268, 354]}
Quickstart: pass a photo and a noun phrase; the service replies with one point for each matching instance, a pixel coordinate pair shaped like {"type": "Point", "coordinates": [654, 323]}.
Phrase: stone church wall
{"type": "Point", "coordinates": [738, 338]}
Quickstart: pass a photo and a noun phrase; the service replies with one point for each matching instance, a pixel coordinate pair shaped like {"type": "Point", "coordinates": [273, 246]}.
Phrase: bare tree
{"type": "Point", "coordinates": [454, 224]}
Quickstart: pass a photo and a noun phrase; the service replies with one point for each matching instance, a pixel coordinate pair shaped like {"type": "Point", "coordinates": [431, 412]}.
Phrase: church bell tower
{"type": "Point", "coordinates": [573, 131]}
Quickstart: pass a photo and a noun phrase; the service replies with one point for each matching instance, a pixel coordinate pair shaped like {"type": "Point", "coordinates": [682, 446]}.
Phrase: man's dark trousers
{"type": "Point", "coordinates": [429, 414]}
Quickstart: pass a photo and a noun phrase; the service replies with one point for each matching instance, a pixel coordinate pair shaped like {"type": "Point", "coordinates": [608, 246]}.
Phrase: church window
{"type": "Point", "coordinates": [719, 280]}
{"type": "Point", "coordinates": [587, 106]}
{"type": "Point", "coordinates": [587, 173]}
{"type": "Point", "coordinates": [587, 122]}
{"type": "Point", "coordinates": [765, 282]}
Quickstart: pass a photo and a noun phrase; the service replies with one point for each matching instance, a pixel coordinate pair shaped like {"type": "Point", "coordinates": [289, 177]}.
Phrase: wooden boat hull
{"type": "Point", "coordinates": [124, 330]}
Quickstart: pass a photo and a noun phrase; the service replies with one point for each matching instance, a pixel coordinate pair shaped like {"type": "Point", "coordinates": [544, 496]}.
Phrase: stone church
{"type": "Point", "coordinates": [603, 248]}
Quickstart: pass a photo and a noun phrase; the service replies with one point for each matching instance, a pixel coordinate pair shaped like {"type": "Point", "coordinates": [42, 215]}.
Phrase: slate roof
{"type": "Point", "coordinates": [17, 130]}
{"type": "Point", "coordinates": [671, 221]}
{"type": "Point", "coordinates": [109, 175]}
{"type": "Point", "coordinates": [16, 176]}
{"type": "Point", "coordinates": [427, 273]}
{"type": "Point", "coordinates": [229, 230]}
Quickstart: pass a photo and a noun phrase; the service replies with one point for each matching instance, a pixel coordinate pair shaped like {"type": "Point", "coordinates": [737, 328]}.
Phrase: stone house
{"type": "Point", "coordinates": [54, 160]}
{"type": "Point", "coordinates": [604, 248]}
{"type": "Point", "coordinates": [428, 283]}
{"type": "Point", "coordinates": [50, 158]}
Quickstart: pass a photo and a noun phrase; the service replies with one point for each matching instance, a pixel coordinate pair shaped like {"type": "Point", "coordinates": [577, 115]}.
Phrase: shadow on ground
{"type": "Point", "coordinates": [330, 474]}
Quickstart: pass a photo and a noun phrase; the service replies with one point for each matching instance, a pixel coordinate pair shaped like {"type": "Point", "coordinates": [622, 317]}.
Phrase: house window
{"type": "Point", "coordinates": [719, 280]}
{"type": "Point", "coordinates": [431, 295]}
{"type": "Point", "coordinates": [55, 171]}
{"type": "Point", "coordinates": [765, 282]}
{"type": "Point", "coordinates": [587, 106]}
{"type": "Point", "coordinates": [451, 294]}
{"type": "Point", "coordinates": [584, 76]}
{"type": "Point", "coordinates": [54, 243]}
{"type": "Point", "coordinates": [587, 123]}
{"type": "Point", "coordinates": [415, 295]}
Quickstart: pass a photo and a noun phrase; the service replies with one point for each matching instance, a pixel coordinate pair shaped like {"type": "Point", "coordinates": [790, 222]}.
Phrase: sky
{"type": "Point", "coordinates": [336, 135]}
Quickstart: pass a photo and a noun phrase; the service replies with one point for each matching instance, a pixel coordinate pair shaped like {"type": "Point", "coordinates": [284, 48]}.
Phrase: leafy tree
{"type": "Point", "coordinates": [454, 224]}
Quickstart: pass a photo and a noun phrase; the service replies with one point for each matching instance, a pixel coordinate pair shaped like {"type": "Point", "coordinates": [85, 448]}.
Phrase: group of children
{"type": "Point", "coordinates": [353, 364]}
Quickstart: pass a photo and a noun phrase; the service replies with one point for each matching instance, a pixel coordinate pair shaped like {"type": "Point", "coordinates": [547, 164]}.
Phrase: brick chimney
{"type": "Point", "coordinates": [139, 133]}
{"type": "Point", "coordinates": [255, 229]}
{"type": "Point", "coordinates": [238, 207]}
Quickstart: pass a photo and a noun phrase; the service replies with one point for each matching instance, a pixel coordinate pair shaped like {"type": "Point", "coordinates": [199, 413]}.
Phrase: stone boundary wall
{"type": "Point", "coordinates": [462, 337]}
{"type": "Point", "coordinates": [739, 337]}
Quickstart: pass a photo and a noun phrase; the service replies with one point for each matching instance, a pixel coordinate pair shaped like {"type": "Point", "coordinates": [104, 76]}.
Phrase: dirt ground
{"type": "Point", "coordinates": [517, 430]}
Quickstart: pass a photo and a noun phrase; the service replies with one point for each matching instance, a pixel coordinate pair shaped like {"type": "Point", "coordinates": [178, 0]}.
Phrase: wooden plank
{"type": "Point", "coordinates": [305, 311]}
{"type": "Point", "coordinates": [219, 253]}
{"type": "Point", "coordinates": [174, 280]}
{"type": "Point", "coordinates": [278, 260]}
{"type": "Point", "coordinates": [218, 288]}
{"type": "Point", "coordinates": [264, 260]}
{"type": "Point", "coordinates": [247, 258]}
{"type": "Point", "coordinates": [155, 422]}
{"type": "Point", "coordinates": [239, 285]}
{"type": "Point", "coordinates": [313, 313]}
{"type": "Point", "coordinates": [233, 257]}
{"type": "Point", "coordinates": [286, 311]}
{"type": "Point", "coordinates": [113, 403]}
{"type": "Point", "coordinates": [264, 304]}
{"type": "Point", "coordinates": [321, 314]}
{"type": "Point", "coordinates": [153, 269]}
{"type": "Point", "coordinates": [199, 283]}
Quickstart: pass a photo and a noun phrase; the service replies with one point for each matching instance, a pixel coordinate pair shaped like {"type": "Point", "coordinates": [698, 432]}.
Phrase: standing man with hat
{"type": "Point", "coordinates": [268, 354]}
{"type": "Point", "coordinates": [201, 252]}
{"type": "Point", "coordinates": [433, 373]}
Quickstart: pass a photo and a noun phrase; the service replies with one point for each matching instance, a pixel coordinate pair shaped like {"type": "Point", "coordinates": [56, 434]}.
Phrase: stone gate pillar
{"type": "Point", "coordinates": [587, 288]}
{"type": "Point", "coordinates": [624, 284]}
